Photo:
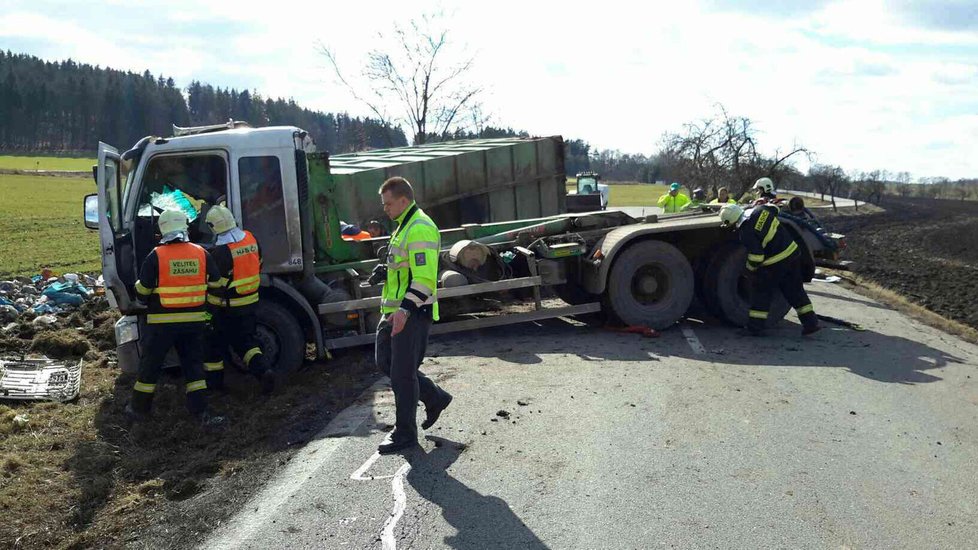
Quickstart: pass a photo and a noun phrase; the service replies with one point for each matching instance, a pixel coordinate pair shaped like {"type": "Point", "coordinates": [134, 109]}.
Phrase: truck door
{"type": "Point", "coordinates": [118, 262]}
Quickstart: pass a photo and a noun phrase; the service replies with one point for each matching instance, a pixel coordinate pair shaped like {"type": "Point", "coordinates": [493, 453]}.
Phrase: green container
{"type": "Point", "coordinates": [456, 183]}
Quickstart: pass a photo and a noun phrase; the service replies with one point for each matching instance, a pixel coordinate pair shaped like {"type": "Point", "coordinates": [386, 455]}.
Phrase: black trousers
{"type": "Point", "coordinates": [235, 329]}
{"type": "Point", "coordinates": [188, 339]}
{"type": "Point", "coordinates": [399, 358]}
{"type": "Point", "coordinates": [785, 276]}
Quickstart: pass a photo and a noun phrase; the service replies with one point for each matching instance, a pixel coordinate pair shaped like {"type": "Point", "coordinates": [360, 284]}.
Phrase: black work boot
{"type": "Point", "coordinates": [809, 323]}
{"type": "Point", "coordinates": [433, 413]}
{"type": "Point", "coordinates": [397, 442]}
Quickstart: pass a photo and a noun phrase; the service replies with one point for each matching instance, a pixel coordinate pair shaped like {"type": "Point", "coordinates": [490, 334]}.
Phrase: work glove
{"type": "Point", "coordinates": [378, 275]}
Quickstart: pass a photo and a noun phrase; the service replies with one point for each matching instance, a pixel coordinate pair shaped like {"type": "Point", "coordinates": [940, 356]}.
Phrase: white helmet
{"type": "Point", "coordinates": [765, 185]}
{"type": "Point", "coordinates": [173, 225]}
{"type": "Point", "coordinates": [220, 219]}
{"type": "Point", "coordinates": [731, 214]}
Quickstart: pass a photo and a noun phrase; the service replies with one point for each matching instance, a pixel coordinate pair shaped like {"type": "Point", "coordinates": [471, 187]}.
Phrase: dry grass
{"type": "Point", "coordinates": [898, 302]}
{"type": "Point", "coordinates": [79, 476]}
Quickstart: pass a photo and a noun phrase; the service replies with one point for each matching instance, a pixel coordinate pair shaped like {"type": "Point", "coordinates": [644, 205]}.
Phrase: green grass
{"type": "Point", "coordinates": [12, 162]}
{"type": "Point", "coordinates": [630, 194]}
{"type": "Point", "coordinates": [41, 225]}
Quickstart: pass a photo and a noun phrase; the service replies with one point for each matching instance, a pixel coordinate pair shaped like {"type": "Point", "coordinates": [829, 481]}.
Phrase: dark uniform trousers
{"type": "Point", "coordinates": [786, 276]}
{"type": "Point", "coordinates": [188, 339]}
{"type": "Point", "coordinates": [234, 327]}
{"type": "Point", "coordinates": [399, 357]}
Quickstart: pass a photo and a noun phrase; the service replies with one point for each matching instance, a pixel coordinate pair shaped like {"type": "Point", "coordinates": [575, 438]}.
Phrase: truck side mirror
{"type": "Point", "coordinates": [91, 211]}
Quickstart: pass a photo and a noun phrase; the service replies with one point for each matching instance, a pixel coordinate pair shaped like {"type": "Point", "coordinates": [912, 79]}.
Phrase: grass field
{"type": "Point", "coordinates": [41, 225]}
{"type": "Point", "coordinates": [630, 194]}
{"type": "Point", "coordinates": [13, 162]}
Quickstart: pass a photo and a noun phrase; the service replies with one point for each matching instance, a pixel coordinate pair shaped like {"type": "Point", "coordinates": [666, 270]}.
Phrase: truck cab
{"type": "Point", "coordinates": [590, 194]}
{"type": "Point", "coordinates": [252, 171]}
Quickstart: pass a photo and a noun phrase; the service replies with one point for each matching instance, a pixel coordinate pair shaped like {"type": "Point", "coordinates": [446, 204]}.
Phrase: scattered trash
{"type": "Point", "coordinates": [45, 320]}
{"type": "Point", "coordinates": [39, 379]}
{"type": "Point", "coordinates": [828, 279]}
{"type": "Point", "coordinates": [20, 421]}
{"type": "Point", "coordinates": [522, 403]}
{"type": "Point", "coordinates": [503, 414]}
{"type": "Point", "coordinates": [646, 332]}
{"type": "Point", "coordinates": [47, 294]}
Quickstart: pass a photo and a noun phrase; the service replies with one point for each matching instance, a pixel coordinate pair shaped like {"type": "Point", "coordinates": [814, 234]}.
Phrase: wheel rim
{"type": "Point", "coordinates": [650, 284]}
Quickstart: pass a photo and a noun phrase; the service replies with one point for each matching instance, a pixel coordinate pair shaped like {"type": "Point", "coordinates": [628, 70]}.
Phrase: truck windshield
{"type": "Point", "coordinates": [183, 183]}
{"type": "Point", "coordinates": [587, 185]}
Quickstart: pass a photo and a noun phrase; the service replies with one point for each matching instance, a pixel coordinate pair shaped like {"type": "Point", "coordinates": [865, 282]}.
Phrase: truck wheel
{"type": "Point", "coordinates": [280, 335]}
{"type": "Point", "coordinates": [650, 284]}
{"type": "Point", "coordinates": [727, 288]}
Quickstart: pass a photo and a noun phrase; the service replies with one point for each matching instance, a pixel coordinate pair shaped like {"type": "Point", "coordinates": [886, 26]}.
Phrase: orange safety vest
{"type": "Point", "coordinates": [182, 276]}
{"type": "Point", "coordinates": [242, 290]}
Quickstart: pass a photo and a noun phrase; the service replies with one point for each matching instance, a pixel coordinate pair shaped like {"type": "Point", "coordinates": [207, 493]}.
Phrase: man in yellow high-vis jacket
{"type": "Point", "coordinates": [409, 304]}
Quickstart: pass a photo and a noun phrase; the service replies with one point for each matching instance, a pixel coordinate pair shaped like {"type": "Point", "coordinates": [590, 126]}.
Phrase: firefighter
{"type": "Point", "coordinates": [774, 260]}
{"type": "Point", "coordinates": [673, 201]}
{"type": "Point", "coordinates": [172, 285]}
{"type": "Point", "coordinates": [409, 305]}
{"type": "Point", "coordinates": [766, 194]}
{"type": "Point", "coordinates": [234, 302]}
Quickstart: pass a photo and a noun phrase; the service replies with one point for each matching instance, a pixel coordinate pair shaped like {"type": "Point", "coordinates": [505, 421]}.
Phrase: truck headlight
{"type": "Point", "coordinates": [126, 330]}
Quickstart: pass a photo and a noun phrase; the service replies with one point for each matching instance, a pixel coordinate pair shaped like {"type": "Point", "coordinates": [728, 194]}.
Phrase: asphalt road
{"type": "Point", "coordinates": [696, 439]}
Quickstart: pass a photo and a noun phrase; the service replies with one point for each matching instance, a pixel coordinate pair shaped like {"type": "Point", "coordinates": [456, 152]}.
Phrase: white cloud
{"type": "Point", "coordinates": [857, 81]}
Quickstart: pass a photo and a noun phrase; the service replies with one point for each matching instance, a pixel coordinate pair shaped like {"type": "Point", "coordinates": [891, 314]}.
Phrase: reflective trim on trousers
{"type": "Point", "coordinates": [754, 314]}
{"type": "Point", "coordinates": [250, 354]}
{"type": "Point", "coordinates": [808, 308]}
{"type": "Point", "coordinates": [144, 387]}
{"type": "Point", "coordinates": [196, 385]}
{"type": "Point", "coordinates": [213, 367]}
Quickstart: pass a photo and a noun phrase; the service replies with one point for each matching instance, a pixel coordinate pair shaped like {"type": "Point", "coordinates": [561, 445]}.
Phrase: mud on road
{"type": "Point", "coordinates": [924, 249]}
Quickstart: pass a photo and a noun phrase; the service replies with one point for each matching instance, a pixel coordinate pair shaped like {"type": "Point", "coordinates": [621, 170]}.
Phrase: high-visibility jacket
{"type": "Point", "coordinates": [717, 201]}
{"type": "Point", "coordinates": [766, 241]}
{"type": "Point", "coordinates": [412, 264]}
{"type": "Point", "coordinates": [173, 282]}
{"type": "Point", "coordinates": [673, 204]}
{"type": "Point", "coordinates": [240, 267]}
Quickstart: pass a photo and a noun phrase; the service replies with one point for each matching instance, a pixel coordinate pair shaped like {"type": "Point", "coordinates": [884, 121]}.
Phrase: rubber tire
{"type": "Point", "coordinates": [622, 303]}
{"type": "Point", "coordinates": [280, 334]}
{"type": "Point", "coordinates": [725, 292]}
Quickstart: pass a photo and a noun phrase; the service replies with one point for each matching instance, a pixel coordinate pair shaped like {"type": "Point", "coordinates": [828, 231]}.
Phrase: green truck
{"type": "Point", "coordinates": [505, 235]}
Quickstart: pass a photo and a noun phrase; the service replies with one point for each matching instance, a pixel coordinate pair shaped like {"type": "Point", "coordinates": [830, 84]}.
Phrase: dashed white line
{"type": "Point", "coordinates": [692, 340]}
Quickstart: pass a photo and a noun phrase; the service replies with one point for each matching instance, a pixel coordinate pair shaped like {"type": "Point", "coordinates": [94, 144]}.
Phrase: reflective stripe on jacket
{"type": "Point", "coordinates": [412, 264]}
{"type": "Point", "coordinates": [177, 291]}
{"type": "Point", "coordinates": [767, 242]}
{"type": "Point", "coordinates": [241, 285]}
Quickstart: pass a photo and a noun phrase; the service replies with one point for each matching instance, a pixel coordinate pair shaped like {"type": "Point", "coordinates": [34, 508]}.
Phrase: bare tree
{"type": "Point", "coordinates": [829, 179]}
{"type": "Point", "coordinates": [418, 81]}
{"type": "Point", "coordinates": [722, 150]}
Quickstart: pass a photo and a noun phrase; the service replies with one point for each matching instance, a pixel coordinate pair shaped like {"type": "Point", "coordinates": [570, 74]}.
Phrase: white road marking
{"type": "Point", "coordinates": [237, 532]}
{"type": "Point", "coordinates": [400, 503]}
{"type": "Point", "coordinates": [359, 475]}
{"type": "Point", "coordinates": [692, 340]}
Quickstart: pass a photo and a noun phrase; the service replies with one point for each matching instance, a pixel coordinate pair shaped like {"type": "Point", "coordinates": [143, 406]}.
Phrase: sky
{"type": "Point", "coordinates": [863, 84]}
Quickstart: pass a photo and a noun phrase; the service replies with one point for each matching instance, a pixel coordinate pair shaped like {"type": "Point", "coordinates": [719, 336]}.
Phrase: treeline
{"type": "Point", "coordinates": [67, 106]}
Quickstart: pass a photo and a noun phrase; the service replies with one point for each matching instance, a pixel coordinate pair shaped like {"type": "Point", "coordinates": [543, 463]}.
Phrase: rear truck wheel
{"type": "Point", "coordinates": [280, 336]}
{"type": "Point", "coordinates": [727, 288]}
{"type": "Point", "coordinates": [650, 284]}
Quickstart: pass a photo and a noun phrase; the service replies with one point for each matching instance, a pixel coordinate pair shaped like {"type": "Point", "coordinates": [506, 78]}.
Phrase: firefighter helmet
{"type": "Point", "coordinates": [172, 222]}
{"type": "Point", "coordinates": [765, 185]}
{"type": "Point", "coordinates": [731, 214]}
{"type": "Point", "coordinates": [220, 219]}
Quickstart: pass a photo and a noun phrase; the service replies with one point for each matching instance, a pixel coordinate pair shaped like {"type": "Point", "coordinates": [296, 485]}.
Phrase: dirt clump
{"type": "Point", "coordinates": [61, 344]}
